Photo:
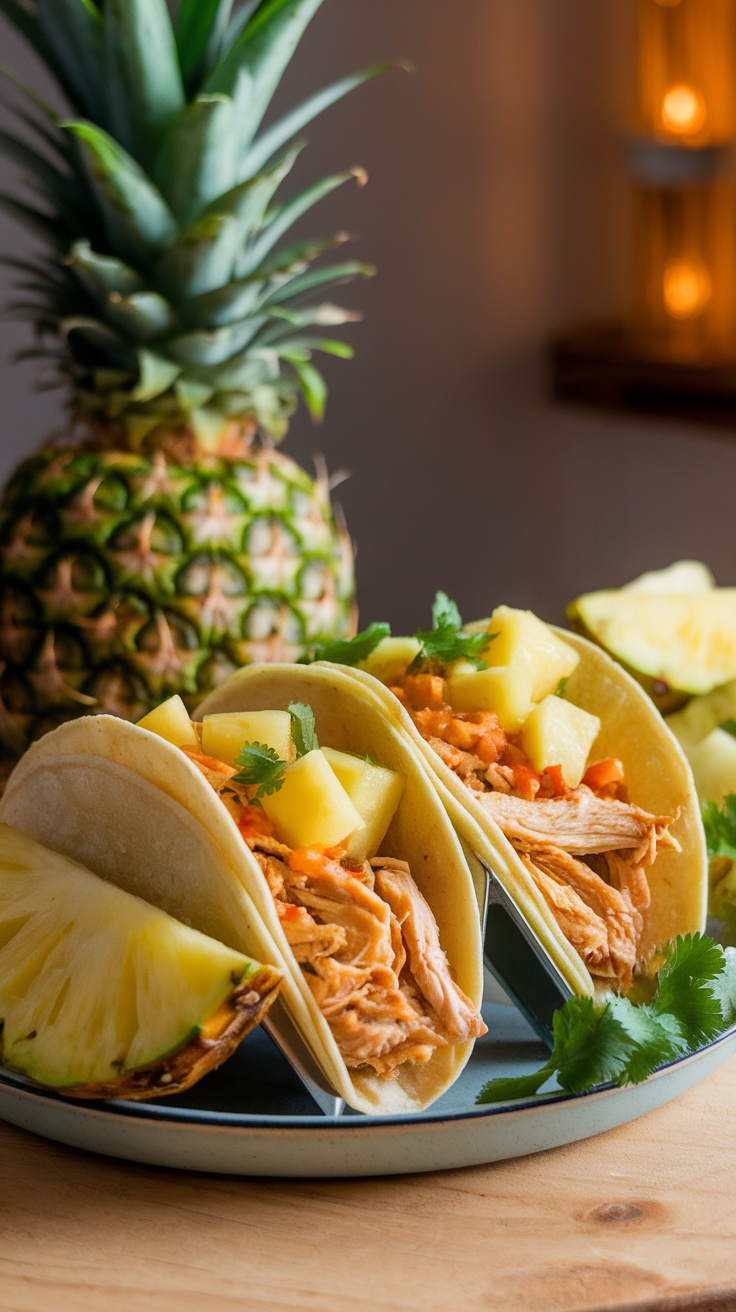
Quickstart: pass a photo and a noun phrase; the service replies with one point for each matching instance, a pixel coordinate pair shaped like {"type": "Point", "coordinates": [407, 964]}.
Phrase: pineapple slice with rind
{"type": "Point", "coordinates": [224, 735]}
{"type": "Point", "coordinates": [374, 791]}
{"type": "Point", "coordinates": [171, 721]}
{"type": "Point", "coordinates": [703, 714]}
{"type": "Point", "coordinates": [559, 733]}
{"type": "Point", "coordinates": [675, 644]}
{"type": "Point", "coordinates": [312, 808]}
{"type": "Point", "coordinates": [683, 576]}
{"type": "Point", "coordinates": [105, 996]}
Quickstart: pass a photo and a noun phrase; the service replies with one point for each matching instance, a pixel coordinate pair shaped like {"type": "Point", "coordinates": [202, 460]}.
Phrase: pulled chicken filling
{"type": "Point", "coordinates": [365, 939]}
{"type": "Point", "coordinates": [587, 849]}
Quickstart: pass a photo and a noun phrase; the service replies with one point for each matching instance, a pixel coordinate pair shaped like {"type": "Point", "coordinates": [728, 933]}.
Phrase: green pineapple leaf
{"type": "Point", "coordinates": [143, 316]}
{"type": "Point", "coordinates": [198, 158]}
{"type": "Point", "coordinates": [307, 282]}
{"type": "Point", "coordinates": [285, 129]}
{"type": "Point", "coordinates": [137, 217]}
{"type": "Point", "coordinates": [73, 30]}
{"type": "Point", "coordinates": [103, 274]}
{"type": "Point", "coordinates": [287, 215]}
{"type": "Point", "coordinates": [261, 55]}
{"type": "Point", "coordinates": [144, 87]}
{"type": "Point", "coordinates": [311, 383]}
{"type": "Point", "coordinates": [215, 346]}
{"type": "Point", "coordinates": [234, 301]}
{"type": "Point", "coordinates": [201, 27]}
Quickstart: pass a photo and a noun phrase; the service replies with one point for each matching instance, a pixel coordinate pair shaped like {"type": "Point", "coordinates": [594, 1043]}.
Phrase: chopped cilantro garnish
{"type": "Point", "coordinates": [445, 641]}
{"type": "Point", "coordinates": [302, 728]}
{"type": "Point", "coordinates": [730, 727]}
{"type": "Point", "coordinates": [560, 689]}
{"type": "Point", "coordinates": [371, 760]}
{"type": "Point", "coordinates": [348, 651]}
{"type": "Point", "coordinates": [261, 766]}
{"type": "Point", "coordinates": [623, 1042]}
{"type": "Point", "coordinates": [720, 827]}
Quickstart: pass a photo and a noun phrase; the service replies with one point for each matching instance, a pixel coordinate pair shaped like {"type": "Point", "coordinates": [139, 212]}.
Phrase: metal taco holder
{"type": "Point", "coordinates": [517, 960]}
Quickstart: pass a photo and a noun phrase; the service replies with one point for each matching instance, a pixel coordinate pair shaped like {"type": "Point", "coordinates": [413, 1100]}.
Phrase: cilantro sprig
{"type": "Point", "coordinates": [720, 827]}
{"type": "Point", "coordinates": [445, 641]}
{"type": "Point", "coordinates": [348, 651]}
{"type": "Point", "coordinates": [623, 1042]}
{"type": "Point", "coordinates": [302, 728]}
{"type": "Point", "coordinates": [262, 768]}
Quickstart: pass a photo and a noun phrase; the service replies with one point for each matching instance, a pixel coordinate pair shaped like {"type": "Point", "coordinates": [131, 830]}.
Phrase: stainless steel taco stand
{"type": "Point", "coordinates": [291, 1045]}
{"type": "Point", "coordinates": [518, 961]}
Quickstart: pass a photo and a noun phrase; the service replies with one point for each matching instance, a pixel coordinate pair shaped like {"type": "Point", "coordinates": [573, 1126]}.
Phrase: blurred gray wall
{"type": "Point", "coordinates": [497, 211]}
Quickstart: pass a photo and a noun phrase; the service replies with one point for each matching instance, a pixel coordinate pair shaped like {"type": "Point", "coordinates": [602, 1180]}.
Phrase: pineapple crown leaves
{"type": "Point", "coordinates": [165, 274]}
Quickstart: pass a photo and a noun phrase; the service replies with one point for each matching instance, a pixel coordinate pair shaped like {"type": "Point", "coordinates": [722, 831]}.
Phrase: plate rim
{"type": "Point", "coordinates": [159, 1114]}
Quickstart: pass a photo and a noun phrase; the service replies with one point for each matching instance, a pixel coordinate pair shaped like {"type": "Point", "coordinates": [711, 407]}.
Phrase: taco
{"type": "Point", "coordinates": [381, 955]}
{"type": "Point", "coordinates": [559, 773]}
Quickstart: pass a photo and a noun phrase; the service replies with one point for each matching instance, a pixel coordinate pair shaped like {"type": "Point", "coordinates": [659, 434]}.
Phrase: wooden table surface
{"type": "Point", "coordinates": [642, 1217]}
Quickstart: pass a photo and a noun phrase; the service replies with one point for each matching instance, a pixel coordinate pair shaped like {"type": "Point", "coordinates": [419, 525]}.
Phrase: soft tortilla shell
{"type": "Point", "coordinates": [420, 833]}
{"type": "Point", "coordinates": [659, 780]}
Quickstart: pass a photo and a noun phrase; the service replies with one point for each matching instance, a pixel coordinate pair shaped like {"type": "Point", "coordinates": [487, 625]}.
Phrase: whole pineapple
{"type": "Point", "coordinates": [165, 541]}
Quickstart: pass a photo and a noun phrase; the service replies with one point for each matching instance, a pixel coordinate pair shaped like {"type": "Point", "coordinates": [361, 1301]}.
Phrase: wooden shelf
{"type": "Point", "coordinates": [606, 366]}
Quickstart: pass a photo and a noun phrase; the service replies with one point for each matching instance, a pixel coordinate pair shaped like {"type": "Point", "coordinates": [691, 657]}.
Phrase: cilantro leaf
{"type": "Point", "coordinates": [302, 728]}
{"type": "Point", "coordinates": [445, 613]}
{"type": "Point", "coordinates": [730, 727]}
{"type": "Point", "coordinates": [348, 651]}
{"type": "Point", "coordinates": [625, 1041]}
{"type": "Point", "coordinates": [446, 642]}
{"type": "Point", "coordinates": [591, 1045]}
{"type": "Point", "coordinates": [720, 827]}
{"type": "Point", "coordinates": [520, 1086]}
{"type": "Point", "coordinates": [560, 689]}
{"type": "Point", "coordinates": [655, 1039]}
{"type": "Point", "coordinates": [262, 766]}
{"type": "Point", "coordinates": [692, 965]}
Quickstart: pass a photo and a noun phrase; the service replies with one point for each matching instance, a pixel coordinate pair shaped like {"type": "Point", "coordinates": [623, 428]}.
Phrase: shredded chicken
{"type": "Point", "coordinates": [587, 849]}
{"type": "Point", "coordinates": [589, 823]}
{"type": "Point", "coordinates": [370, 948]}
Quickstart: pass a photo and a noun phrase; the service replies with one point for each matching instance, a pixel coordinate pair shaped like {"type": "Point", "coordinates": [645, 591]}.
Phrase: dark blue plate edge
{"type": "Point", "coordinates": [159, 1112]}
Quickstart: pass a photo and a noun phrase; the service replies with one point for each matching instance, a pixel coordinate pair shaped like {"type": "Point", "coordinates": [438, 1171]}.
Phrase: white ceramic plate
{"type": "Point", "coordinates": [252, 1117]}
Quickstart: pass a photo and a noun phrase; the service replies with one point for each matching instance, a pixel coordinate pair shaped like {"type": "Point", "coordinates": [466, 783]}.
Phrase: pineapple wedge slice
{"type": "Point", "coordinates": [224, 735]}
{"type": "Point", "coordinates": [171, 721]}
{"type": "Point", "coordinates": [311, 807]}
{"type": "Point", "coordinates": [104, 996]}
{"type": "Point", "coordinates": [374, 791]}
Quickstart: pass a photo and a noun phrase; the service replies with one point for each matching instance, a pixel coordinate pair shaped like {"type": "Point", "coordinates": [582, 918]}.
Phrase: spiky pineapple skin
{"type": "Point", "coordinates": [126, 577]}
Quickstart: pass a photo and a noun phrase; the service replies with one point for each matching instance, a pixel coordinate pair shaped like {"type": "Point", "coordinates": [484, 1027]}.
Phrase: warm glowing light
{"type": "Point", "coordinates": [684, 110]}
{"type": "Point", "coordinates": [687, 289]}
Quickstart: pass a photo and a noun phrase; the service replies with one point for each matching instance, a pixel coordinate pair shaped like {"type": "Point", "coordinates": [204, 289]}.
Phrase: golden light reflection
{"type": "Point", "coordinates": [687, 289]}
{"type": "Point", "coordinates": [683, 110]}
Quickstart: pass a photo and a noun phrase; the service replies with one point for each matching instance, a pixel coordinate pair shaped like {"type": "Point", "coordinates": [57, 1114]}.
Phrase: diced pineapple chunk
{"type": "Point", "coordinates": [391, 658]}
{"type": "Point", "coordinates": [312, 807]}
{"type": "Point", "coordinates": [225, 735]}
{"type": "Point", "coordinates": [374, 791]}
{"type": "Point", "coordinates": [171, 721]}
{"type": "Point", "coordinates": [505, 689]}
{"type": "Point", "coordinates": [559, 733]}
{"type": "Point", "coordinates": [523, 639]}
{"type": "Point", "coordinates": [713, 763]}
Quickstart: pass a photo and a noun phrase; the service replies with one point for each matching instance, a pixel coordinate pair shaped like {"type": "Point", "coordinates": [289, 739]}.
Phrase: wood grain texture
{"type": "Point", "coordinates": [643, 1217]}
